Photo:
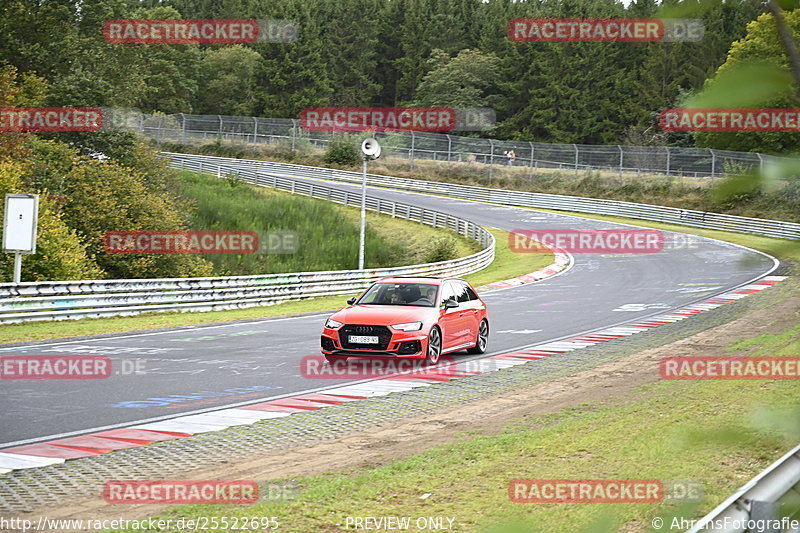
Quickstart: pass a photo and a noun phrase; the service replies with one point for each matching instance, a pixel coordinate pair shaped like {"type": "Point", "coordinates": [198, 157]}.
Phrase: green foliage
{"type": "Point", "coordinates": [461, 81]}
{"type": "Point", "coordinates": [227, 81]}
{"type": "Point", "coordinates": [441, 249]}
{"type": "Point", "coordinates": [60, 253]}
{"type": "Point", "coordinates": [755, 75]}
{"type": "Point", "coordinates": [343, 150]}
{"type": "Point", "coordinates": [387, 53]}
{"type": "Point", "coordinates": [328, 236]}
{"type": "Point", "coordinates": [103, 196]}
{"type": "Point", "coordinates": [30, 166]}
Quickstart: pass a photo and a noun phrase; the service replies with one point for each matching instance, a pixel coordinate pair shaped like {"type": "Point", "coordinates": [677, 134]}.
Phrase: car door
{"type": "Point", "coordinates": [470, 307]}
{"type": "Point", "coordinates": [449, 319]}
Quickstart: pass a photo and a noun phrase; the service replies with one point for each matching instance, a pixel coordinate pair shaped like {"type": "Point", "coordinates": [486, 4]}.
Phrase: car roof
{"type": "Point", "coordinates": [418, 279]}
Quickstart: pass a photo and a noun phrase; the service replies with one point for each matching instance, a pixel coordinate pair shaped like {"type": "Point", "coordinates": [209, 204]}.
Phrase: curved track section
{"type": "Point", "coordinates": [205, 368]}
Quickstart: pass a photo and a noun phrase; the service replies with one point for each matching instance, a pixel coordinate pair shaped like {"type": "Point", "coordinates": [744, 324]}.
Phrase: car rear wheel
{"type": "Point", "coordinates": [482, 340]}
{"type": "Point", "coordinates": [333, 358]}
{"type": "Point", "coordinates": [434, 346]}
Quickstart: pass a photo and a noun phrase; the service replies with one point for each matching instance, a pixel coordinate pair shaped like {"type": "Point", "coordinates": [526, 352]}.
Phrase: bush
{"type": "Point", "coordinates": [60, 253]}
{"type": "Point", "coordinates": [343, 151]}
{"type": "Point", "coordinates": [441, 249]}
{"type": "Point", "coordinates": [103, 196]}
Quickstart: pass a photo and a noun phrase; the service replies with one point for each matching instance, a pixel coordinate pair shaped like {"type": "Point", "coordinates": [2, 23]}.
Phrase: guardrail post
{"type": "Point", "coordinates": [575, 147]}
{"type": "Point", "coordinates": [183, 128]}
{"type": "Point", "coordinates": [530, 166]}
{"type": "Point", "coordinates": [713, 163]}
{"type": "Point", "coordinates": [411, 153]}
{"type": "Point", "coordinates": [491, 159]}
{"type": "Point", "coordinates": [449, 148]}
{"type": "Point", "coordinates": [620, 160]}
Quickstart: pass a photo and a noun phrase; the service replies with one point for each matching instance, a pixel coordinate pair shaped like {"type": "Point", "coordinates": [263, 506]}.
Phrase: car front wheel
{"type": "Point", "coordinates": [434, 346]}
{"type": "Point", "coordinates": [482, 340]}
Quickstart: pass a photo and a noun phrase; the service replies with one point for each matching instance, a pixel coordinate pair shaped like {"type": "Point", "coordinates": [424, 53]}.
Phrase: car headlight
{"type": "Point", "coordinates": [331, 323]}
{"type": "Point", "coordinates": [408, 326]}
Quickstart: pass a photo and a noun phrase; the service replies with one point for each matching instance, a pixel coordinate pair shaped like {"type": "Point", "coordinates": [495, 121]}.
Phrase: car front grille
{"type": "Point", "coordinates": [382, 332]}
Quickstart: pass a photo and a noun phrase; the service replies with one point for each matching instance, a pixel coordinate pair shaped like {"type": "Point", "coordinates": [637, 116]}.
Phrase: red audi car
{"type": "Point", "coordinates": [409, 317]}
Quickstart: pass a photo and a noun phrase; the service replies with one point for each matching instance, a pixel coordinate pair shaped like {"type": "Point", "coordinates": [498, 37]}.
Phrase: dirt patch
{"type": "Point", "coordinates": [612, 382]}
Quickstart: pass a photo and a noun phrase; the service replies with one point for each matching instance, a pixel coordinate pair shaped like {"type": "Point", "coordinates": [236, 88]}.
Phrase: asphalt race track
{"type": "Point", "coordinates": [202, 368]}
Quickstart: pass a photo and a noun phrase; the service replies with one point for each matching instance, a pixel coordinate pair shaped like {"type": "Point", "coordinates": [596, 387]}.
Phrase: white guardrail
{"type": "Point", "coordinates": [672, 215]}
{"type": "Point", "coordinates": [768, 503]}
{"type": "Point", "coordinates": [60, 300]}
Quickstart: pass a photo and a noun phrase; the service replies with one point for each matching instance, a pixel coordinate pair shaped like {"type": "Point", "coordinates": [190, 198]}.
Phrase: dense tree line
{"type": "Point", "coordinates": [381, 53]}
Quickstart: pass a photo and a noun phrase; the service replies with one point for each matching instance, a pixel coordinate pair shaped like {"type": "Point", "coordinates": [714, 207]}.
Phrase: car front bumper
{"type": "Point", "coordinates": [403, 344]}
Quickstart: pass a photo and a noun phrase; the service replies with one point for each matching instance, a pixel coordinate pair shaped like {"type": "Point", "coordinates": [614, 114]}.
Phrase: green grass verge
{"type": "Point", "coordinates": [506, 265]}
{"type": "Point", "coordinates": [328, 233]}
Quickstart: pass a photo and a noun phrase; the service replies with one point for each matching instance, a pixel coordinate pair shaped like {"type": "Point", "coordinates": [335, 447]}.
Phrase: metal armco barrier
{"type": "Point", "coordinates": [672, 215]}
{"type": "Point", "coordinates": [768, 497]}
{"type": "Point", "coordinates": [59, 300]}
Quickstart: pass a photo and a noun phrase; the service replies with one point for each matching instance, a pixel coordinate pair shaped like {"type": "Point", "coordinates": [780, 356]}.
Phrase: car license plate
{"type": "Point", "coordinates": [363, 339]}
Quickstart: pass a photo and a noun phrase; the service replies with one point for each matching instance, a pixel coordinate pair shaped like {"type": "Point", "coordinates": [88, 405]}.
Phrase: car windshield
{"type": "Point", "coordinates": [417, 294]}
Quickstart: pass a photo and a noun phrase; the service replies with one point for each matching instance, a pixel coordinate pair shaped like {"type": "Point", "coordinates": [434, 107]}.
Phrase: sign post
{"type": "Point", "coordinates": [371, 149]}
{"type": "Point", "coordinates": [19, 228]}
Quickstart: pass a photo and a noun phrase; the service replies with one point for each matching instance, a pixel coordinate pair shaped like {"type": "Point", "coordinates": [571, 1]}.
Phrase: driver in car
{"type": "Point", "coordinates": [395, 298]}
{"type": "Point", "coordinates": [428, 298]}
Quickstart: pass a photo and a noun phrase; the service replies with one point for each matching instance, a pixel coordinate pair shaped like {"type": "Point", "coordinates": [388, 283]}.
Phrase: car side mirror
{"type": "Point", "coordinates": [450, 304]}
{"type": "Point", "coordinates": [351, 301]}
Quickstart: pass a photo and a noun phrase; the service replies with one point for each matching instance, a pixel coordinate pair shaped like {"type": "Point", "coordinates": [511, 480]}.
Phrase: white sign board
{"type": "Point", "coordinates": [19, 223]}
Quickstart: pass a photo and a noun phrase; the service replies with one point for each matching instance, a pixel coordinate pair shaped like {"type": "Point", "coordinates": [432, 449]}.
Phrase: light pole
{"type": "Point", "coordinates": [371, 149]}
